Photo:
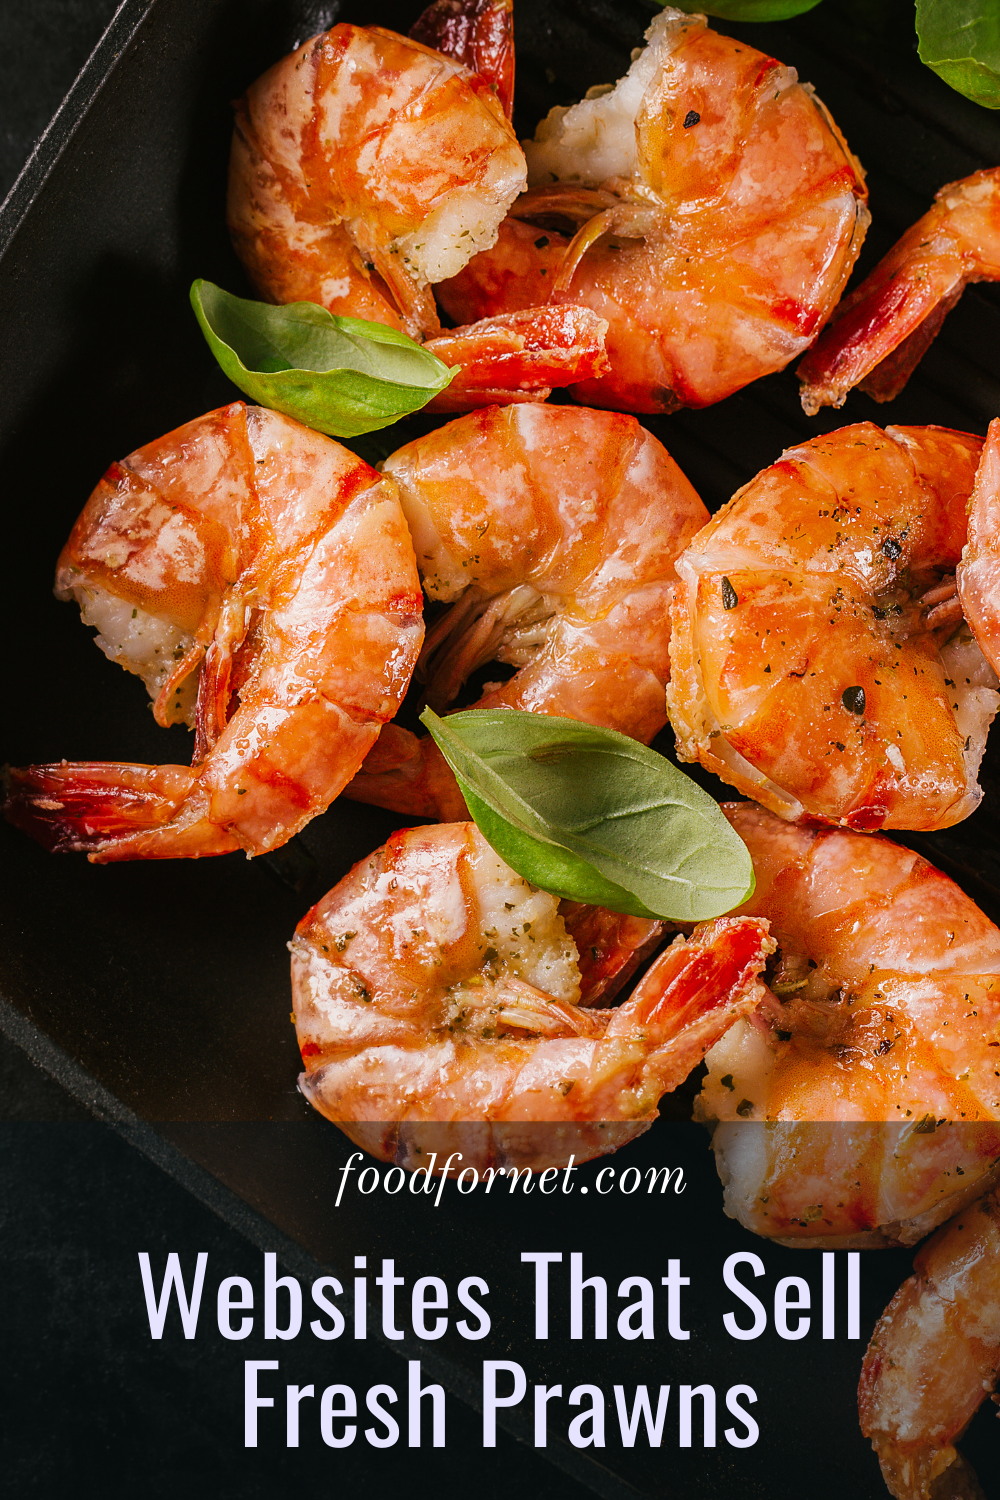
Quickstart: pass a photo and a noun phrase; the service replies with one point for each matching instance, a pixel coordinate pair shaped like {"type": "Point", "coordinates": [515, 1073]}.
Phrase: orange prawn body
{"type": "Point", "coordinates": [818, 658]}
{"type": "Point", "coordinates": [366, 167]}
{"type": "Point", "coordinates": [433, 988]}
{"type": "Point", "coordinates": [934, 1357]}
{"type": "Point", "coordinates": [718, 215]}
{"type": "Point", "coordinates": [261, 579]}
{"type": "Point", "coordinates": [551, 533]}
{"type": "Point", "coordinates": [351, 158]}
{"type": "Point", "coordinates": [860, 1105]}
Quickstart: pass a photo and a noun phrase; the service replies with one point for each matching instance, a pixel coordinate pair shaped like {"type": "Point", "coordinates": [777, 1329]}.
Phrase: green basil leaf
{"type": "Point", "coordinates": [960, 40]}
{"type": "Point", "coordinates": [746, 10]}
{"type": "Point", "coordinates": [342, 376]}
{"type": "Point", "coordinates": [594, 816]}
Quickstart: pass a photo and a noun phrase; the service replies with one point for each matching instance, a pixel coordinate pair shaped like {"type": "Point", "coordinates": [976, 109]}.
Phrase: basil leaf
{"type": "Point", "coordinates": [746, 10]}
{"type": "Point", "coordinates": [960, 40]}
{"type": "Point", "coordinates": [342, 376]}
{"type": "Point", "coordinates": [594, 816]}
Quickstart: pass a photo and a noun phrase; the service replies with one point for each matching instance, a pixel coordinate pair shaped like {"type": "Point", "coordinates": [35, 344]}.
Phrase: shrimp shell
{"type": "Point", "coordinates": [816, 664]}
{"type": "Point", "coordinates": [433, 985]}
{"type": "Point", "coordinates": [272, 571]}
{"type": "Point", "coordinates": [478, 33]}
{"type": "Point", "coordinates": [718, 213]}
{"type": "Point", "coordinates": [364, 166]}
{"type": "Point", "coordinates": [884, 1007]}
{"type": "Point", "coordinates": [551, 534]}
{"type": "Point", "coordinates": [978, 574]}
{"type": "Point", "coordinates": [934, 1357]}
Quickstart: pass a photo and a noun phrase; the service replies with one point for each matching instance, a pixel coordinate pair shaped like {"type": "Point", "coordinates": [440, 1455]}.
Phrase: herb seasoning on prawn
{"type": "Point", "coordinates": [843, 684]}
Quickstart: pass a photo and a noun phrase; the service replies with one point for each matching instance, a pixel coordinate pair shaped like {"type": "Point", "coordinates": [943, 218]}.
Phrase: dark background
{"type": "Point", "coordinates": [90, 1402]}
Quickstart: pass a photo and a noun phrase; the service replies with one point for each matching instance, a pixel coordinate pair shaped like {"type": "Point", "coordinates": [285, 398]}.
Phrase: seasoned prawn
{"type": "Point", "coordinates": [978, 573]}
{"type": "Point", "coordinates": [884, 1006]}
{"type": "Point", "coordinates": [819, 661]}
{"type": "Point", "coordinates": [717, 211]}
{"type": "Point", "coordinates": [883, 329]}
{"type": "Point", "coordinates": [551, 533]}
{"type": "Point", "coordinates": [260, 579]}
{"type": "Point", "coordinates": [434, 985]}
{"type": "Point", "coordinates": [933, 1359]}
{"type": "Point", "coordinates": [366, 167]}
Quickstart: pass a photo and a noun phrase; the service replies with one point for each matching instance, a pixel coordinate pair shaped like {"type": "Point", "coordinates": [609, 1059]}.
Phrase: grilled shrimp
{"type": "Point", "coordinates": [819, 660]}
{"type": "Point", "coordinates": [551, 533]}
{"type": "Point", "coordinates": [884, 1006]}
{"type": "Point", "coordinates": [881, 331]}
{"type": "Point", "coordinates": [717, 210]}
{"type": "Point", "coordinates": [934, 1357]}
{"type": "Point", "coordinates": [434, 985]}
{"type": "Point", "coordinates": [260, 579]}
{"type": "Point", "coordinates": [978, 573]}
{"type": "Point", "coordinates": [364, 168]}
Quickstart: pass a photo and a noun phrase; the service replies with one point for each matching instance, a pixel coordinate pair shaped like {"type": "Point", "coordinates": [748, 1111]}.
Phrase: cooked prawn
{"type": "Point", "coordinates": [848, 1185]}
{"type": "Point", "coordinates": [718, 215]}
{"type": "Point", "coordinates": [366, 167]}
{"type": "Point", "coordinates": [551, 533]}
{"type": "Point", "coordinates": [883, 329]}
{"type": "Point", "coordinates": [819, 660]}
{"type": "Point", "coordinates": [884, 1006]}
{"type": "Point", "coordinates": [434, 985]}
{"type": "Point", "coordinates": [933, 1359]}
{"type": "Point", "coordinates": [978, 574]}
{"type": "Point", "coordinates": [260, 579]}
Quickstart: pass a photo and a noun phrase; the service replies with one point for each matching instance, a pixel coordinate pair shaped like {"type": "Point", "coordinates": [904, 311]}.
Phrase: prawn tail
{"type": "Point", "coordinates": [927, 1473]}
{"type": "Point", "coordinates": [407, 773]}
{"type": "Point", "coordinates": [879, 336]}
{"type": "Point", "coordinates": [695, 991]}
{"type": "Point", "coordinates": [520, 356]}
{"type": "Point", "coordinates": [611, 946]}
{"type": "Point", "coordinates": [477, 33]}
{"type": "Point", "coordinates": [107, 810]}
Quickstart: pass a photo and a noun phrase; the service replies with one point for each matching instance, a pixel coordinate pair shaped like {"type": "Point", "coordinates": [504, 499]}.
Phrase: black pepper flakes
{"type": "Point", "coordinates": [691, 118]}
{"type": "Point", "coordinates": [853, 699]}
{"type": "Point", "coordinates": [730, 598]}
